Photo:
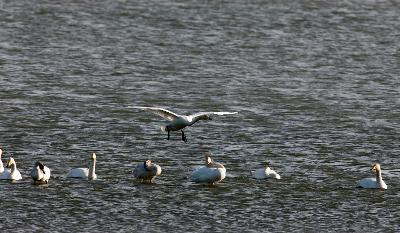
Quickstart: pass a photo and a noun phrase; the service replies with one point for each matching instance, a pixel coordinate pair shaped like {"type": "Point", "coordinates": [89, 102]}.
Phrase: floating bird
{"type": "Point", "coordinates": [179, 122]}
{"type": "Point", "coordinates": [40, 173]}
{"type": "Point", "coordinates": [264, 173]}
{"type": "Point", "coordinates": [373, 183]}
{"type": "Point", "coordinates": [146, 171]}
{"type": "Point", "coordinates": [211, 173]}
{"type": "Point", "coordinates": [85, 173]}
{"type": "Point", "coordinates": [11, 174]}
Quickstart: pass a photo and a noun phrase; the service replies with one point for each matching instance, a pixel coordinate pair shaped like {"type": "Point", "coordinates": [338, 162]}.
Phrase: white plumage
{"type": "Point", "coordinates": [373, 183]}
{"type": "Point", "coordinates": [85, 173]}
{"type": "Point", "coordinates": [211, 173]}
{"type": "Point", "coordinates": [12, 173]}
{"type": "Point", "coordinates": [264, 173]}
{"type": "Point", "coordinates": [146, 171]}
{"type": "Point", "coordinates": [179, 122]}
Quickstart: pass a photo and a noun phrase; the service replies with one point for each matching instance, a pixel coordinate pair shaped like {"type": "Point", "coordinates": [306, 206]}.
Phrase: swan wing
{"type": "Point", "coordinates": [368, 183]}
{"type": "Point", "coordinates": [6, 175]}
{"type": "Point", "coordinates": [206, 175]}
{"type": "Point", "coordinates": [164, 113]}
{"type": "Point", "coordinates": [35, 174]}
{"type": "Point", "coordinates": [47, 173]}
{"type": "Point", "coordinates": [259, 173]}
{"type": "Point", "coordinates": [16, 175]}
{"type": "Point", "coordinates": [78, 173]}
{"type": "Point", "coordinates": [202, 114]}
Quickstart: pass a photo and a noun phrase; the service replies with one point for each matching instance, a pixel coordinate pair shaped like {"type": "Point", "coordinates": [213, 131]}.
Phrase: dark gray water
{"type": "Point", "coordinates": [316, 84]}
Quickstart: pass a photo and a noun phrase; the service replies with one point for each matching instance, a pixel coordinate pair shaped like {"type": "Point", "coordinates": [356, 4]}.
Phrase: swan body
{"type": "Point", "coordinates": [40, 173]}
{"type": "Point", "coordinates": [147, 171]}
{"type": "Point", "coordinates": [85, 173]}
{"type": "Point", "coordinates": [12, 173]}
{"type": "Point", "coordinates": [264, 173]}
{"type": "Point", "coordinates": [211, 173]}
{"type": "Point", "coordinates": [179, 122]}
{"type": "Point", "coordinates": [373, 183]}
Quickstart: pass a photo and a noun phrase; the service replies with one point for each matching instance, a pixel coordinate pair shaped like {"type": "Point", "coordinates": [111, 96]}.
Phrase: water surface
{"type": "Point", "coordinates": [316, 85]}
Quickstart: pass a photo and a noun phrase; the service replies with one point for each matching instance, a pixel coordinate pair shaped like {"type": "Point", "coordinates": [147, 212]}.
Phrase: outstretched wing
{"type": "Point", "coordinates": [164, 113]}
{"type": "Point", "coordinates": [203, 114]}
{"type": "Point", "coordinates": [223, 113]}
{"type": "Point", "coordinates": [206, 115]}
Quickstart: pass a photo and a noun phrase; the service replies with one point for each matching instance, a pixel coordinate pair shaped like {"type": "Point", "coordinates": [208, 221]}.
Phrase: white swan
{"type": "Point", "coordinates": [85, 173]}
{"type": "Point", "coordinates": [178, 122]}
{"type": "Point", "coordinates": [373, 183]}
{"type": "Point", "coordinates": [40, 173]}
{"type": "Point", "coordinates": [264, 173]}
{"type": "Point", "coordinates": [13, 173]}
{"type": "Point", "coordinates": [211, 173]}
{"type": "Point", "coordinates": [147, 171]}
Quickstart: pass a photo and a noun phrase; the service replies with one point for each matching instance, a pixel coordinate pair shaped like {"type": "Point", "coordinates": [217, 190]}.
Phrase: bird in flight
{"type": "Point", "coordinates": [179, 122]}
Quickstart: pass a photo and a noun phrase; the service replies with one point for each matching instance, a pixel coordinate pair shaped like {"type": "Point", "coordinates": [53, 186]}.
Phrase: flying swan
{"type": "Point", "coordinates": [147, 171]}
{"type": "Point", "coordinates": [85, 173]}
{"type": "Point", "coordinates": [12, 173]}
{"type": "Point", "coordinates": [264, 173]}
{"type": "Point", "coordinates": [179, 122]}
{"type": "Point", "coordinates": [40, 173]}
{"type": "Point", "coordinates": [373, 183]}
{"type": "Point", "coordinates": [211, 173]}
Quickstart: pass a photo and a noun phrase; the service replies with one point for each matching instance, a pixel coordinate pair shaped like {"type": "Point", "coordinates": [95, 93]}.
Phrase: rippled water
{"type": "Point", "coordinates": [316, 84]}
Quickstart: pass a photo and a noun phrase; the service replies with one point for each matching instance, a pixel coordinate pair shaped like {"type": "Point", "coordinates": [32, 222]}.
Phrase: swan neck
{"type": "Point", "coordinates": [92, 169]}
{"type": "Point", "coordinates": [378, 175]}
{"type": "Point", "coordinates": [194, 119]}
{"type": "Point", "coordinates": [14, 167]}
{"type": "Point", "coordinates": [379, 180]}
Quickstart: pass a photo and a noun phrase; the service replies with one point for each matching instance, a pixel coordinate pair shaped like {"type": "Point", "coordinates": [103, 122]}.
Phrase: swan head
{"type": "Point", "coordinates": [93, 156]}
{"type": "Point", "coordinates": [40, 165]}
{"type": "Point", "coordinates": [147, 164]}
{"type": "Point", "coordinates": [376, 168]}
{"type": "Point", "coordinates": [209, 161]}
{"type": "Point", "coordinates": [206, 117]}
{"type": "Point", "coordinates": [10, 162]}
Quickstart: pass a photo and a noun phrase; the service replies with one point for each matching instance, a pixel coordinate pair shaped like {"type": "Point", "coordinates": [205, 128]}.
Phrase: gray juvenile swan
{"type": "Point", "coordinates": [179, 122]}
{"type": "Point", "coordinates": [85, 173]}
{"type": "Point", "coordinates": [146, 171]}
{"type": "Point", "coordinates": [40, 173]}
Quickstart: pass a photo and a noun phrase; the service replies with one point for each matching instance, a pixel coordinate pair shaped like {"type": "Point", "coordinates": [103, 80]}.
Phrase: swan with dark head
{"type": "Point", "coordinates": [40, 173]}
